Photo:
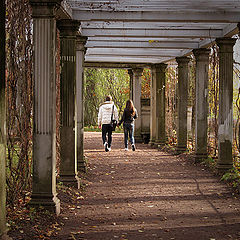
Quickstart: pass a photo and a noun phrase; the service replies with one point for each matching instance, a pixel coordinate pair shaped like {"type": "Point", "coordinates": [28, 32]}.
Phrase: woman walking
{"type": "Point", "coordinates": [129, 115]}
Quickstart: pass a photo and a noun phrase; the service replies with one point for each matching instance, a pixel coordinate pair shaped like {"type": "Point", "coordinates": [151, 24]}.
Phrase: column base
{"type": "Point", "coordinates": [154, 145]}
{"type": "Point", "coordinates": [145, 137]}
{"type": "Point", "coordinates": [223, 168]}
{"type": "Point", "coordinates": [200, 156]}
{"type": "Point", "coordinates": [81, 166]}
{"type": "Point", "coordinates": [138, 139]}
{"type": "Point", "coordinates": [70, 180]}
{"type": "Point", "coordinates": [48, 201]}
{"type": "Point", "coordinates": [181, 149]}
{"type": "Point", "coordinates": [159, 144]}
{"type": "Point", "coordinates": [151, 142]}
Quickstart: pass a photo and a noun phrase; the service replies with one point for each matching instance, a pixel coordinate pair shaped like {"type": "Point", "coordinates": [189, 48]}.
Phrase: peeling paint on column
{"type": "Point", "coordinates": [225, 134]}
{"type": "Point", "coordinates": [223, 130]}
{"type": "Point", "coordinates": [206, 93]}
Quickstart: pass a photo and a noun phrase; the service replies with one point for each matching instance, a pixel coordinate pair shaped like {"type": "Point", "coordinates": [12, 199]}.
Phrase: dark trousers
{"type": "Point", "coordinates": [128, 130]}
{"type": "Point", "coordinates": [107, 134]}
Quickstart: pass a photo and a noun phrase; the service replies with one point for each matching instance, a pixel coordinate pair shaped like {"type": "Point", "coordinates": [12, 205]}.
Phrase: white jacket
{"type": "Point", "coordinates": [105, 113]}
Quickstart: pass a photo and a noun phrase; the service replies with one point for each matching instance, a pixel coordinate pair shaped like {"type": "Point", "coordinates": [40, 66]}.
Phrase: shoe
{"type": "Point", "coordinates": [109, 149]}
{"type": "Point", "coordinates": [106, 147]}
{"type": "Point", "coordinates": [126, 149]}
{"type": "Point", "coordinates": [133, 147]}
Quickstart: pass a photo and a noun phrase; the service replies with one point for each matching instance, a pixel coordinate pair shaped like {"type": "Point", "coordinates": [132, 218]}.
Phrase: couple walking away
{"type": "Point", "coordinates": [107, 112]}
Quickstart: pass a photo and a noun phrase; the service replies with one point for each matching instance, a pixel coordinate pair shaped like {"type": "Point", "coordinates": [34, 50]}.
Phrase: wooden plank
{"type": "Point", "coordinates": [183, 33]}
{"type": "Point", "coordinates": [147, 44]}
{"type": "Point", "coordinates": [159, 16]}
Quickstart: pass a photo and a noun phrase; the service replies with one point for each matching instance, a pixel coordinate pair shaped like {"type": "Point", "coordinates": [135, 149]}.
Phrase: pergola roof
{"type": "Point", "coordinates": [151, 31]}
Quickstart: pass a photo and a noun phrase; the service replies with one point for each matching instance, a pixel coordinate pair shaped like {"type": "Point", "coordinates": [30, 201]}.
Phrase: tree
{"type": "Point", "coordinates": [102, 82]}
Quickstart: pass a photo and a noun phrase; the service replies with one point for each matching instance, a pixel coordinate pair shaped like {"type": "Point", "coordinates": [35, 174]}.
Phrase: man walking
{"type": "Point", "coordinates": [107, 111]}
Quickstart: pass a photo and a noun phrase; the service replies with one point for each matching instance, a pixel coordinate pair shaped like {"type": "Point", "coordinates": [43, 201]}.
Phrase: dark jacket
{"type": "Point", "coordinates": [127, 116]}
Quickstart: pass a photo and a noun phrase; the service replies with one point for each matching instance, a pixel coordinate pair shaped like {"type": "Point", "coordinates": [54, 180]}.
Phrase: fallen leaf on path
{"type": "Point", "coordinates": [81, 197]}
{"type": "Point", "coordinates": [73, 237]}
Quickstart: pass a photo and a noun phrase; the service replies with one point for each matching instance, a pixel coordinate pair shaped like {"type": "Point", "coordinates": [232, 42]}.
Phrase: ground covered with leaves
{"type": "Point", "coordinates": [146, 194]}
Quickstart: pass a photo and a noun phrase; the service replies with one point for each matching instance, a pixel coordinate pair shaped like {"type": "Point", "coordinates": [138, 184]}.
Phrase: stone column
{"type": "Point", "coordinates": [137, 88]}
{"type": "Point", "coordinates": [79, 108]}
{"type": "Point", "coordinates": [201, 113]}
{"type": "Point", "coordinates": [225, 118]}
{"type": "Point", "coordinates": [182, 103]}
{"type": "Point", "coordinates": [160, 104]}
{"type": "Point", "coordinates": [153, 107]}
{"type": "Point", "coordinates": [130, 73]}
{"type": "Point", "coordinates": [68, 163]}
{"type": "Point", "coordinates": [44, 109]}
{"type": "Point", "coordinates": [3, 228]}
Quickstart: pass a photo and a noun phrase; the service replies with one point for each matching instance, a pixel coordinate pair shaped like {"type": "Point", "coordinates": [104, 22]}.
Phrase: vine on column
{"type": "Point", "coordinates": [19, 99]}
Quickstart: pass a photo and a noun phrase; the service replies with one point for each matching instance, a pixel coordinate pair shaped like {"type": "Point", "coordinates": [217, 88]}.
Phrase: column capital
{"type": "Point", "coordinates": [44, 8]}
{"type": "Point", "coordinates": [80, 43]}
{"type": "Point", "coordinates": [201, 54]}
{"type": "Point", "coordinates": [68, 27]}
{"type": "Point", "coordinates": [182, 60]}
{"type": "Point", "coordinates": [137, 71]}
{"type": "Point", "coordinates": [130, 71]}
{"type": "Point", "coordinates": [226, 44]}
{"type": "Point", "coordinates": [160, 67]}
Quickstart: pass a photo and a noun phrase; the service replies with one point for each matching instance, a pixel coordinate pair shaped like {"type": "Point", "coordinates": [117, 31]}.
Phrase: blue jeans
{"type": "Point", "coordinates": [107, 130]}
{"type": "Point", "coordinates": [128, 130]}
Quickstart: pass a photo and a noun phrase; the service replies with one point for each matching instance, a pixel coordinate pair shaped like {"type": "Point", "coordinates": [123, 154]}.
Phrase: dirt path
{"type": "Point", "coordinates": [149, 194]}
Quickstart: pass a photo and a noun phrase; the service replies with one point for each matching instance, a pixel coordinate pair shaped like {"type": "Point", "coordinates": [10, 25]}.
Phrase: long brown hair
{"type": "Point", "coordinates": [130, 107]}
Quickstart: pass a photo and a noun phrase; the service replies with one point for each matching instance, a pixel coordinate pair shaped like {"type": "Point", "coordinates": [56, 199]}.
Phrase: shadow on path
{"type": "Point", "coordinates": [148, 194]}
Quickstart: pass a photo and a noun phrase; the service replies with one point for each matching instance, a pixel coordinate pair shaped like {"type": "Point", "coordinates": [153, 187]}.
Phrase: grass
{"type": "Point", "coordinates": [97, 129]}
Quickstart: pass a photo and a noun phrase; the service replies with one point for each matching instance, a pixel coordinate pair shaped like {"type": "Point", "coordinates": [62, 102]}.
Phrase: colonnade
{"type": "Point", "coordinates": [71, 101]}
{"type": "Point", "coordinates": [72, 55]}
{"type": "Point", "coordinates": [225, 135]}
{"type": "Point", "coordinates": [71, 129]}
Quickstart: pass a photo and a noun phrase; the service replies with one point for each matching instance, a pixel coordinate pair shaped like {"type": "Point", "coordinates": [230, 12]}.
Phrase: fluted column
{"type": "Point", "coordinates": [153, 107]}
{"type": "Point", "coordinates": [2, 123]}
{"type": "Point", "coordinates": [160, 104]}
{"type": "Point", "coordinates": [182, 103]}
{"type": "Point", "coordinates": [130, 73]}
{"type": "Point", "coordinates": [44, 109]}
{"type": "Point", "coordinates": [137, 88]}
{"type": "Point", "coordinates": [201, 113]}
{"type": "Point", "coordinates": [68, 163]}
{"type": "Point", "coordinates": [79, 108]}
{"type": "Point", "coordinates": [225, 118]}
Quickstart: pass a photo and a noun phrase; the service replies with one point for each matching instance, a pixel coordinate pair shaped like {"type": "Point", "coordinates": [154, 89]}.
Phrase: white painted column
{"type": "Point", "coordinates": [137, 88]}
{"type": "Point", "coordinates": [225, 118]}
{"type": "Point", "coordinates": [68, 162]}
{"type": "Point", "coordinates": [44, 109]}
{"type": "Point", "coordinates": [183, 74]}
{"type": "Point", "coordinates": [201, 113]}
{"type": "Point", "coordinates": [153, 107]}
{"type": "Point", "coordinates": [79, 107]}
